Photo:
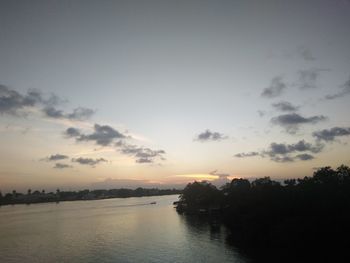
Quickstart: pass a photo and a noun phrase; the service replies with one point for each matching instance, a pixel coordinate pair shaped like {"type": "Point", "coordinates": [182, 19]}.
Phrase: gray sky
{"type": "Point", "coordinates": [177, 89]}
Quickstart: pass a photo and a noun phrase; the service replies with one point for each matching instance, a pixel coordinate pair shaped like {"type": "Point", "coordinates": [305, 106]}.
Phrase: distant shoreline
{"type": "Point", "coordinates": [37, 197]}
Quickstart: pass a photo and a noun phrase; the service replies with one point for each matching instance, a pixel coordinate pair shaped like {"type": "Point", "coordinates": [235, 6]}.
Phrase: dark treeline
{"type": "Point", "coordinates": [42, 196]}
{"type": "Point", "coordinates": [268, 215]}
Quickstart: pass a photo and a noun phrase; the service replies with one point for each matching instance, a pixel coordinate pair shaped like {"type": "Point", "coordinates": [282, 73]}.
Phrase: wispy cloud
{"type": "Point", "coordinates": [285, 106]}
{"type": "Point", "coordinates": [307, 79]}
{"type": "Point", "coordinates": [276, 88]}
{"type": "Point", "coordinates": [80, 113]}
{"type": "Point", "coordinates": [88, 161]}
{"type": "Point", "coordinates": [62, 166]}
{"type": "Point", "coordinates": [305, 53]}
{"type": "Point", "coordinates": [345, 90]}
{"type": "Point", "coordinates": [56, 157]}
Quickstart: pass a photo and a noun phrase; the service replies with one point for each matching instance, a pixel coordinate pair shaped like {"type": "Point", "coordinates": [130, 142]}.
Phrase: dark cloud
{"type": "Point", "coordinates": [305, 53]}
{"type": "Point", "coordinates": [77, 114]}
{"type": "Point", "coordinates": [304, 157]}
{"type": "Point", "coordinates": [103, 134]}
{"type": "Point", "coordinates": [343, 92]}
{"type": "Point", "coordinates": [275, 89]}
{"type": "Point", "coordinates": [56, 157]}
{"type": "Point", "coordinates": [285, 106]}
{"type": "Point", "coordinates": [249, 154]}
{"type": "Point", "coordinates": [282, 159]}
{"type": "Point", "coordinates": [62, 166]}
{"type": "Point", "coordinates": [142, 154]}
{"type": "Point", "coordinates": [292, 121]}
{"type": "Point", "coordinates": [14, 103]}
{"type": "Point", "coordinates": [11, 102]}
{"type": "Point", "coordinates": [207, 135]}
{"type": "Point", "coordinates": [330, 134]}
{"type": "Point", "coordinates": [281, 152]}
{"type": "Point", "coordinates": [72, 132]}
{"type": "Point", "coordinates": [301, 146]}
{"type": "Point", "coordinates": [144, 160]}
{"type": "Point", "coordinates": [88, 161]}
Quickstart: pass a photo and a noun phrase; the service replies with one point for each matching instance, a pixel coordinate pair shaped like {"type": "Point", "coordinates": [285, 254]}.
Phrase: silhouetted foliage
{"type": "Point", "coordinates": [303, 213]}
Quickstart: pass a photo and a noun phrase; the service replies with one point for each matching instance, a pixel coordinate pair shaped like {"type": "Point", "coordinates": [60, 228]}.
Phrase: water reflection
{"type": "Point", "coordinates": [115, 230]}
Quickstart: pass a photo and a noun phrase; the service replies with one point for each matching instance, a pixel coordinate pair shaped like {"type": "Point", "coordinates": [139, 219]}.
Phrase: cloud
{"type": "Point", "coordinates": [77, 114]}
{"type": "Point", "coordinates": [285, 106]}
{"type": "Point", "coordinates": [292, 121]}
{"type": "Point", "coordinates": [207, 135]}
{"type": "Point", "coordinates": [62, 166]}
{"type": "Point", "coordinates": [300, 146]}
{"type": "Point", "coordinates": [305, 157]}
{"type": "Point", "coordinates": [305, 53]}
{"type": "Point", "coordinates": [249, 154]}
{"type": "Point", "coordinates": [56, 157]}
{"type": "Point", "coordinates": [281, 152]}
{"type": "Point", "coordinates": [276, 88]}
{"type": "Point", "coordinates": [103, 134]}
{"type": "Point", "coordinates": [282, 159]}
{"type": "Point", "coordinates": [330, 134]}
{"type": "Point", "coordinates": [344, 92]}
{"type": "Point", "coordinates": [142, 154]}
{"type": "Point", "coordinates": [72, 132]}
{"type": "Point", "coordinates": [11, 102]}
{"type": "Point", "coordinates": [88, 161]}
{"type": "Point", "coordinates": [17, 104]}
{"type": "Point", "coordinates": [308, 78]}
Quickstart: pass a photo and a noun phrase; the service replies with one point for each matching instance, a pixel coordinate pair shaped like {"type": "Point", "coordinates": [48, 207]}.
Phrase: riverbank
{"type": "Point", "coordinates": [59, 196]}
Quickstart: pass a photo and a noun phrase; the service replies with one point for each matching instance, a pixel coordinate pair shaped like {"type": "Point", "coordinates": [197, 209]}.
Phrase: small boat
{"type": "Point", "coordinates": [153, 203]}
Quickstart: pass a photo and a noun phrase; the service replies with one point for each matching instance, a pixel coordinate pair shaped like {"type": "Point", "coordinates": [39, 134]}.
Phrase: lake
{"type": "Point", "coordinates": [110, 230]}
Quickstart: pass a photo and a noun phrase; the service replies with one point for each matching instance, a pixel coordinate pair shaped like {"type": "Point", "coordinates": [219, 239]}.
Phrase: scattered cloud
{"type": "Point", "coordinates": [331, 134]}
{"type": "Point", "coordinates": [56, 157]}
{"type": "Point", "coordinates": [17, 104]}
{"type": "Point", "coordinates": [142, 154]}
{"type": "Point", "coordinates": [285, 106]}
{"type": "Point", "coordinates": [62, 166]}
{"type": "Point", "coordinates": [281, 152]}
{"type": "Point", "coordinates": [88, 161]}
{"type": "Point", "coordinates": [248, 154]}
{"type": "Point", "coordinates": [276, 88]}
{"type": "Point", "coordinates": [292, 121]}
{"type": "Point", "coordinates": [305, 157]}
{"type": "Point", "coordinates": [345, 90]}
{"type": "Point", "coordinates": [208, 135]}
{"type": "Point", "coordinates": [301, 146]}
{"type": "Point", "coordinates": [12, 102]}
{"type": "Point", "coordinates": [77, 114]}
{"type": "Point", "coordinates": [103, 134]}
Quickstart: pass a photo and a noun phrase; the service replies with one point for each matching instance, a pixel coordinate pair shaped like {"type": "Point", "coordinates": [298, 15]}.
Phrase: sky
{"type": "Point", "coordinates": [108, 94]}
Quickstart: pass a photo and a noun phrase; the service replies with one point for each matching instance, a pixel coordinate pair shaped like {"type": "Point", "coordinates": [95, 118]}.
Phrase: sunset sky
{"type": "Point", "coordinates": [105, 94]}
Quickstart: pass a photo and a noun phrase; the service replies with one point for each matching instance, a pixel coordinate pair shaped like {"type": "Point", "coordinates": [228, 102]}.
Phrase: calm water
{"type": "Point", "coordinates": [113, 230]}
